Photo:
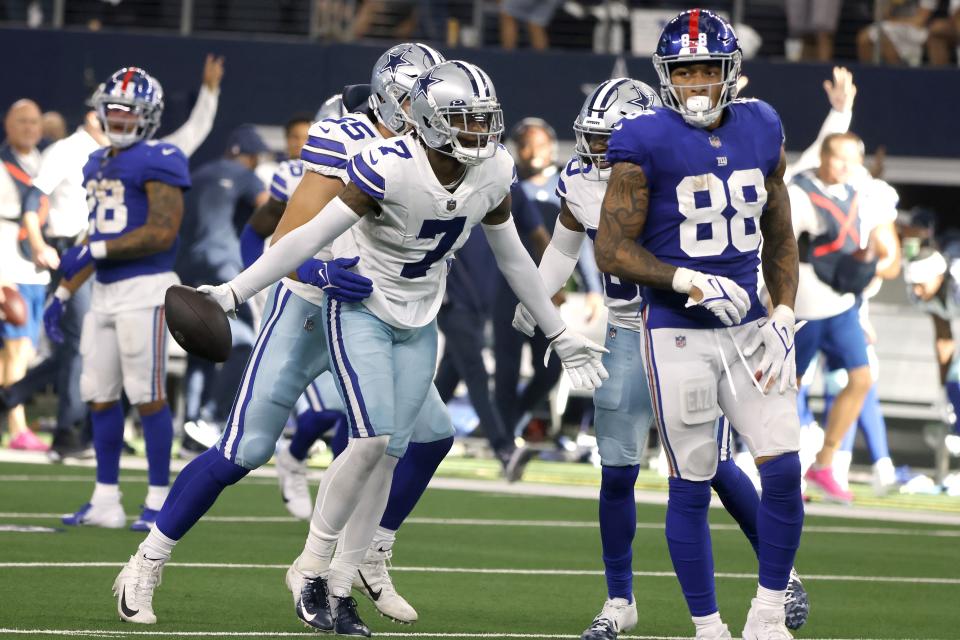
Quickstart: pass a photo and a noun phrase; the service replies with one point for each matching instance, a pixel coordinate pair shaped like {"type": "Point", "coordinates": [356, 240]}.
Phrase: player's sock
{"type": "Point", "coordinates": [874, 426]}
{"type": "Point", "coordinates": [341, 436]}
{"type": "Point", "coordinates": [779, 519]}
{"type": "Point", "coordinates": [739, 498]}
{"type": "Point", "coordinates": [310, 426]}
{"type": "Point", "coordinates": [157, 546]}
{"type": "Point", "coordinates": [618, 526]}
{"type": "Point", "coordinates": [156, 496]}
{"type": "Point", "coordinates": [770, 598]}
{"type": "Point", "coordinates": [953, 394]}
{"type": "Point", "coordinates": [339, 494]}
{"type": "Point", "coordinates": [103, 492]}
{"type": "Point", "coordinates": [383, 536]}
{"type": "Point", "coordinates": [108, 442]}
{"type": "Point", "coordinates": [411, 477]}
{"type": "Point", "coordinates": [688, 539]}
{"type": "Point", "coordinates": [195, 490]}
{"type": "Point", "coordinates": [360, 528]}
{"type": "Point", "coordinates": [158, 437]}
{"type": "Point", "coordinates": [705, 622]}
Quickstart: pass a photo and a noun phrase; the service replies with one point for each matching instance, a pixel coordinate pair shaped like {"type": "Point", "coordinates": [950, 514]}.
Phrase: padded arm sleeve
{"type": "Point", "coordinates": [521, 273]}
{"type": "Point", "coordinates": [294, 249]}
{"type": "Point", "coordinates": [560, 258]}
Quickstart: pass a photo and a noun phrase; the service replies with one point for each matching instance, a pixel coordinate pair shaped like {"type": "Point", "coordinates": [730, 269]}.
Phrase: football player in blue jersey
{"type": "Point", "coordinates": [623, 412]}
{"type": "Point", "coordinates": [135, 194]}
{"type": "Point", "coordinates": [693, 187]}
{"type": "Point", "coordinates": [291, 330]}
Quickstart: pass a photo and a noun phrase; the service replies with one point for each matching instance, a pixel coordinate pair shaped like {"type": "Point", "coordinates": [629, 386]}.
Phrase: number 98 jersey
{"type": "Point", "coordinates": [117, 199]}
{"type": "Point", "coordinates": [420, 224]}
{"type": "Point", "coordinates": [706, 197]}
{"type": "Point", "coordinates": [584, 197]}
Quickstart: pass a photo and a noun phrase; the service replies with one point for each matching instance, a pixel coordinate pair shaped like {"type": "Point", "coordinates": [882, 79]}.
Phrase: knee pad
{"type": "Point", "coordinates": [618, 481]}
{"type": "Point", "coordinates": [702, 459]}
{"type": "Point", "coordinates": [255, 451]}
{"type": "Point", "coordinates": [367, 452]}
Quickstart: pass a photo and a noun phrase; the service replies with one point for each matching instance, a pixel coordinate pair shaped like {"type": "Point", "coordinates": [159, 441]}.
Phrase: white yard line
{"type": "Point", "coordinates": [474, 570]}
{"type": "Point", "coordinates": [562, 524]}
{"type": "Point", "coordinates": [112, 633]}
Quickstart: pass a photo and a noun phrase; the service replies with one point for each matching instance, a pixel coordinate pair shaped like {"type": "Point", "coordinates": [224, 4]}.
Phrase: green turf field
{"type": "Point", "coordinates": [472, 563]}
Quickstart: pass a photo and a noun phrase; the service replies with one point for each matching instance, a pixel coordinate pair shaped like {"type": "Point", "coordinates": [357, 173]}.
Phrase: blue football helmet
{"type": "Point", "coordinates": [129, 105]}
{"type": "Point", "coordinates": [698, 35]}
{"type": "Point", "coordinates": [605, 106]}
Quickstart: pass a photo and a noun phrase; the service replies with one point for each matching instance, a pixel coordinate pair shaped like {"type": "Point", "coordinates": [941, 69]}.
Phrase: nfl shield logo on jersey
{"type": "Point", "coordinates": [680, 341]}
{"type": "Point", "coordinates": [451, 204]}
{"type": "Point", "coordinates": [715, 142]}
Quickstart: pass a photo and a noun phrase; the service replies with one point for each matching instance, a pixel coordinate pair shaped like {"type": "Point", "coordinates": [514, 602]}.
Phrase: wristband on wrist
{"type": "Point", "coordinates": [98, 249]}
{"type": "Point", "coordinates": [62, 294]}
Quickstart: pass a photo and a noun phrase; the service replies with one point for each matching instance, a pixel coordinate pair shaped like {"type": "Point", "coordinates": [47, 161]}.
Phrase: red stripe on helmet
{"type": "Point", "coordinates": [694, 28]}
{"type": "Point", "coordinates": [126, 78]}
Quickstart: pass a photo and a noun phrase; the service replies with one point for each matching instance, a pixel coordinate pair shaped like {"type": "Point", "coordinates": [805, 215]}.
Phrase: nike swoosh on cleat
{"type": "Point", "coordinates": [374, 596]}
{"type": "Point", "coordinates": [306, 615]}
{"type": "Point", "coordinates": [127, 611]}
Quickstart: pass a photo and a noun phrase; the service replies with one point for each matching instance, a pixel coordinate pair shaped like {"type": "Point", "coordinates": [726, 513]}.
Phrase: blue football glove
{"type": "Point", "coordinates": [52, 315]}
{"type": "Point", "coordinates": [251, 245]}
{"type": "Point", "coordinates": [74, 260]}
{"type": "Point", "coordinates": [336, 279]}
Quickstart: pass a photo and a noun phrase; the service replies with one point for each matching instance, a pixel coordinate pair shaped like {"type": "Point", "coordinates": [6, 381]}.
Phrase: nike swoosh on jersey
{"type": "Point", "coordinates": [374, 595]}
{"type": "Point", "coordinates": [127, 611]}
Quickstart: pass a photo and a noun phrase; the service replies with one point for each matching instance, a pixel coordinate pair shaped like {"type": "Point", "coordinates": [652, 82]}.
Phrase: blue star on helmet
{"type": "Point", "coordinates": [642, 101]}
{"type": "Point", "coordinates": [395, 61]}
{"type": "Point", "coordinates": [423, 84]}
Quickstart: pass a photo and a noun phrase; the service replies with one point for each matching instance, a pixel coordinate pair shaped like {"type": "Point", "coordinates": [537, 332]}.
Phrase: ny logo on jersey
{"type": "Point", "coordinates": [721, 161]}
{"type": "Point", "coordinates": [451, 204]}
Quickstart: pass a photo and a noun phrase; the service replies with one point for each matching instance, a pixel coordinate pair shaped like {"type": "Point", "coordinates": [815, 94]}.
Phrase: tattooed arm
{"type": "Point", "coordinates": [780, 258]}
{"type": "Point", "coordinates": [622, 218]}
{"type": "Point", "coordinates": [164, 213]}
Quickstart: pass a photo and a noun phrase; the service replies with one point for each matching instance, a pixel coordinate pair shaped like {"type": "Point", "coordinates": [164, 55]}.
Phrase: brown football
{"type": "Point", "coordinates": [13, 309]}
{"type": "Point", "coordinates": [197, 323]}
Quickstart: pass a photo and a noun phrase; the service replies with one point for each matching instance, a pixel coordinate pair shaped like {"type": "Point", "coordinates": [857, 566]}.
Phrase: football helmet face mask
{"type": "Point", "coordinates": [129, 105]}
{"type": "Point", "coordinates": [393, 77]}
{"type": "Point", "coordinates": [455, 110]}
{"type": "Point", "coordinates": [603, 108]}
{"type": "Point", "coordinates": [698, 36]}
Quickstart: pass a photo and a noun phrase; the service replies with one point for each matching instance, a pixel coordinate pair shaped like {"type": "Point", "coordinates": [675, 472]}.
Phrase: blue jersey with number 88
{"type": "Point", "coordinates": [706, 197]}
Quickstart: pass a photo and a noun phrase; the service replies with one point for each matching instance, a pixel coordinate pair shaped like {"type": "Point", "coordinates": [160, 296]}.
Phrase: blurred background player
{"type": "Point", "coordinates": [224, 191]}
{"type": "Point", "coordinates": [19, 234]}
{"type": "Point", "coordinates": [136, 202]}
{"type": "Point", "coordinates": [664, 214]}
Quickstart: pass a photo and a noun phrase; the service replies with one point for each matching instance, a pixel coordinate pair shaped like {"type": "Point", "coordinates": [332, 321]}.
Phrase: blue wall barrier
{"type": "Point", "coordinates": [911, 111]}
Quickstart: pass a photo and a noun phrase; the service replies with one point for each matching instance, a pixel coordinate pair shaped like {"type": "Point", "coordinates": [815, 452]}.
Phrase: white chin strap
{"type": "Point", "coordinates": [699, 112]}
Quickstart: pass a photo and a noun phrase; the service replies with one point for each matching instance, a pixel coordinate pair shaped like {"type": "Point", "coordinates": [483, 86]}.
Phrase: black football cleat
{"type": "Point", "coordinates": [348, 622]}
{"type": "Point", "coordinates": [797, 603]}
{"type": "Point", "coordinates": [313, 605]}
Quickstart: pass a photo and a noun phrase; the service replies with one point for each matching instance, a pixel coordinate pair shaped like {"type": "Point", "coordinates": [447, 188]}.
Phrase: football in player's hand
{"type": "Point", "coordinates": [13, 309]}
{"type": "Point", "coordinates": [197, 323]}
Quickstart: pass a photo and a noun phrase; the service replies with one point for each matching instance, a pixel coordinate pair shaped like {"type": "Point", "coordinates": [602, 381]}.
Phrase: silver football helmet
{"type": "Point", "coordinates": [446, 100]}
{"type": "Point", "coordinates": [332, 107]}
{"type": "Point", "coordinates": [392, 79]}
{"type": "Point", "coordinates": [602, 109]}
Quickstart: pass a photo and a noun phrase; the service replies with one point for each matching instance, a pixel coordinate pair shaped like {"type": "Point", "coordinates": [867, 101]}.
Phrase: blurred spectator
{"type": "Point", "coordinates": [295, 133]}
{"type": "Point", "coordinates": [900, 35]}
{"type": "Point", "coordinates": [396, 19]}
{"type": "Point", "coordinates": [18, 235]}
{"type": "Point", "coordinates": [535, 14]}
{"type": "Point", "coordinates": [944, 36]}
{"type": "Point", "coordinates": [54, 128]}
{"type": "Point", "coordinates": [210, 252]}
{"type": "Point", "coordinates": [811, 26]}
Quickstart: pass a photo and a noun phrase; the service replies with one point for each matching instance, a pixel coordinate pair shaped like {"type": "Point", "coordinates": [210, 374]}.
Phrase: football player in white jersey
{"type": "Point", "coordinates": [623, 414]}
{"type": "Point", "coordinates": [291, 332]}
{"type": "Point", "coordinates": [405, 210]}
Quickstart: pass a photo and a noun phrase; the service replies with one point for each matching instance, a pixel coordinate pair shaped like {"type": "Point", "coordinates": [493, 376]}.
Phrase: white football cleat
{"type": "Point", "coordinates": [884, 477]}
{"type": "Point", "coordinates": [717, 631]}
{"type": "Point", "coordinates": [134, 587]}
{"type": "Point", "coordinates": [374, 582]}
{"type": "Point", "coordinates": [106, 514]}
{"type": "Point", "coordinates": [952, 443]}
{"type": "Point", "coordinates": [765, 623]}
{"type": "Point", "coordinates": [292, 477]}
{"type": "Point", "coordinates": [617, 615]}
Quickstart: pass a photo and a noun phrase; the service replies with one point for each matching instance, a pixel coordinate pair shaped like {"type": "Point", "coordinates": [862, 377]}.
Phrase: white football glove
{"type": "Point", "coordinates": [523, 321]}
{"type": "Point", "coordinates": [580, 358]}
{"type": "Point", "coordinates": [223, 295]}
{"type": "Point", "coordinates": [723, 297]}
{"type": "Point", "coordinates": [775, 334]}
